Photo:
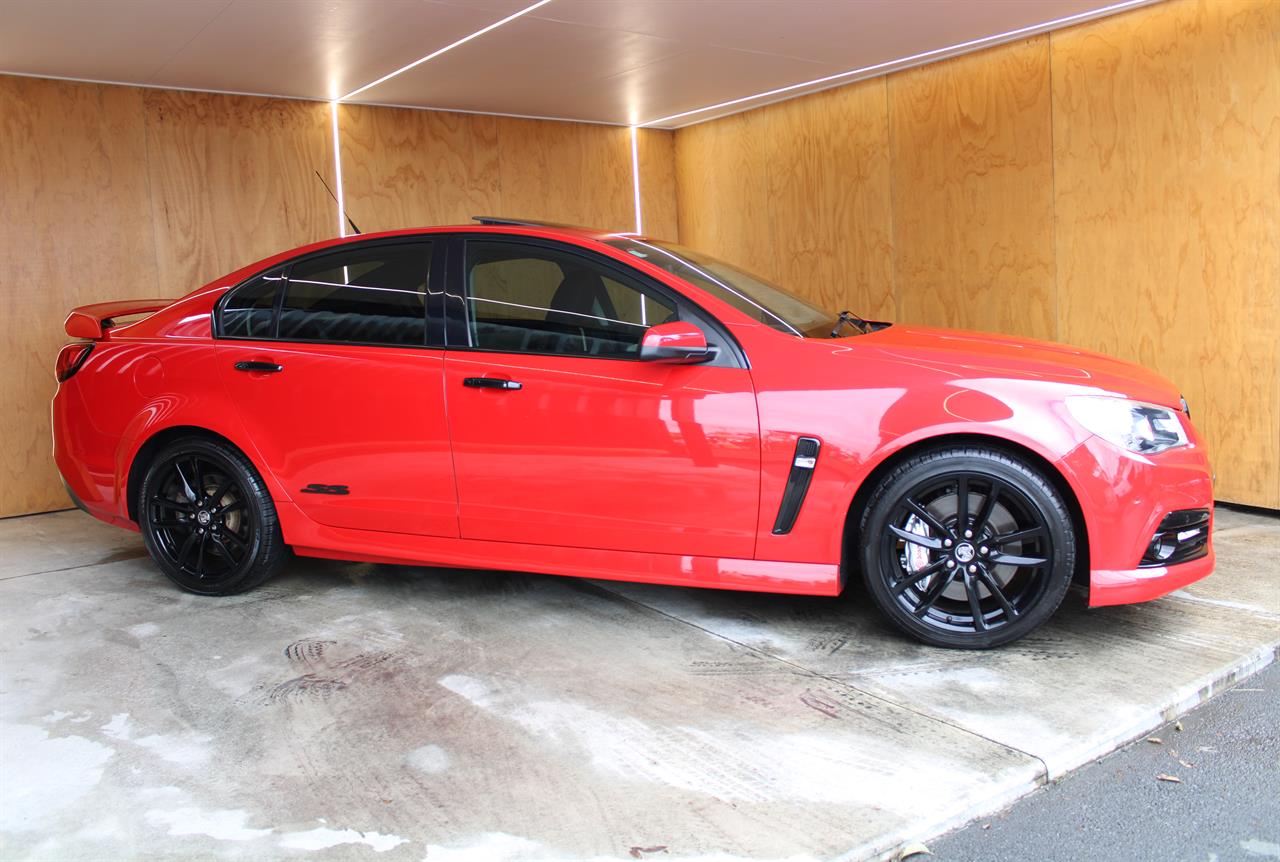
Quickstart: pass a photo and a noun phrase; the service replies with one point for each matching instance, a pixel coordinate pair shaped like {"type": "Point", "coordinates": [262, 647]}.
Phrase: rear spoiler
{"type": "Point", "coordinates": [91, 321]}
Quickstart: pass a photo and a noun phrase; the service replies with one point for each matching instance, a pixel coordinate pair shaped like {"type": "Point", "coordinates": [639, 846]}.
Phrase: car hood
{"type": "Point", "coordinates": [983, 354]}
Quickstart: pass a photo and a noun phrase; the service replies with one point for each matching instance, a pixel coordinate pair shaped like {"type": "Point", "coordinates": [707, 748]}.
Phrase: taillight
{"type": "Point", "coordinates": [70, 358]}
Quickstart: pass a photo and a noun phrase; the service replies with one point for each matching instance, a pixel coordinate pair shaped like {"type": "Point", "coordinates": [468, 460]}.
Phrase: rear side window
{"type": "Point", "coordinates": [371, 295]}
{"type": "Point", "coordinates": [250, 311]}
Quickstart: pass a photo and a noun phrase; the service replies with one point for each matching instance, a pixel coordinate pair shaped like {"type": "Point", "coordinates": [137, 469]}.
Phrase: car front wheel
{"type": "Point", "coordinates": [967, 547]}
{"type": "Point", "coordinates": [207, 519]}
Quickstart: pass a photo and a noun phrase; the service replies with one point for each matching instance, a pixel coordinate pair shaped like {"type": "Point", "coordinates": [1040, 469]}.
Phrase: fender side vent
{"type": "Point", "coordinates": [803, 463]}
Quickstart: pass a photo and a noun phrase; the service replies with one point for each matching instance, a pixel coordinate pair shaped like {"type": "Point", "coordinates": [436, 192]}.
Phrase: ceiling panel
{"type": "Point", "coordinates": [318, 49]}
{"type": "Point", "coordinates": [838, 32]}
{"type": "Point", "coordinates": [618, 61]}
{"type": "Point", "coordinates": [550, 68]}
{"type": "Point", "coordinates": [123, 41]}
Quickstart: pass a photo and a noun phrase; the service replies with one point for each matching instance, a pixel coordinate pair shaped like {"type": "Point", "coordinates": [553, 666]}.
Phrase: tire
{"type": "Point", "coordinates": [974, 591]}
{"type": "Point", "coordinates": [207, 519]}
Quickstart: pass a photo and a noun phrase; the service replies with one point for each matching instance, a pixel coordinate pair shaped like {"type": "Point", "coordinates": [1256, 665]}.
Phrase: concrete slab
{"type": "Point", "coordinates": [62, 540]}
{"type": "Point", "coordinates": [354, 711]}
{"type": "Point", "coordinates": [348, 711]}
{"type": "Point", "coordinates": [1077, 688]}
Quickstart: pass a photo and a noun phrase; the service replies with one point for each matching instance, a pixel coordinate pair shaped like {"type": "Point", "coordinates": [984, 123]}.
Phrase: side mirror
{"type": "Point", "coordinates": [676, 343]}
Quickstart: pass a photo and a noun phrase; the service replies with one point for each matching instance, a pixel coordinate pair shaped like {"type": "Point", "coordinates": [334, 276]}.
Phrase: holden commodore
{"type": "Point", "coordinates": [549, 399]}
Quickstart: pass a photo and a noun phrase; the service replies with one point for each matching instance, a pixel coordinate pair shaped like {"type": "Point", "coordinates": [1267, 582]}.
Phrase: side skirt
{"type": "Point", "coordinates": [310, 539]}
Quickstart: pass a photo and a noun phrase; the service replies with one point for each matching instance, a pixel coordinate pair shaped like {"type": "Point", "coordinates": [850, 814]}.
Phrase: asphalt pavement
{"type": "Point", "coordinates": [1224, 805]}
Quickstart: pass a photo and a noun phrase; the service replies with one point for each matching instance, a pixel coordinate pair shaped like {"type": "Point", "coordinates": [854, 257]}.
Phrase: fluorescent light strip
{"type": "Point", "coordinates": [337, 171]}
{"type": "Point", "coordinates": [635, 176]}
{"type": "Point", "coordinates": [465, 39]}
{"type": "Point", "coordinates": [912, 59]}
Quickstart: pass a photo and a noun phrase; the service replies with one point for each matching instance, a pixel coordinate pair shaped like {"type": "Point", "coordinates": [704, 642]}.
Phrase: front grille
{"type": "Point", "coordinates": [1182, 535]}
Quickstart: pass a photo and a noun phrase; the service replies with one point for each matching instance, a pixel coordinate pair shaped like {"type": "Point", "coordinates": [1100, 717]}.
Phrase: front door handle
{"type": "Point", "coordinates": [263, 367]}
{"type": "Point", "coordinates": [491, 383]}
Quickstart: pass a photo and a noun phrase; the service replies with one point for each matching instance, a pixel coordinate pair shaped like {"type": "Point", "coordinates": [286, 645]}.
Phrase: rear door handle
{"type": "Point", "coordinates": [254, 365]}
{"type": "Point", "coordinates": [491, 383]}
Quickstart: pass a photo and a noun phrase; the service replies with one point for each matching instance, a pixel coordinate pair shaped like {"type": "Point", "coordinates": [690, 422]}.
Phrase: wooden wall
{"type": "Point", "coordinates": [403, 167]}
{"type": "Point", "coordinates": [971, 156]}
{"type": "Point", "coordinates": [1114, 185]}
{"type": "Point", "coordinates": [1167, 189]}
{"type": "Point", "coordinates": [75, 227]}
{"type": "Point", "coordinates": [110, 192]}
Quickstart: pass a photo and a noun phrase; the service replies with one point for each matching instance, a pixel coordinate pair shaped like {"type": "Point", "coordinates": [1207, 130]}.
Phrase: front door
{"type": "Point", "coordinates": [338, 390]}
{"type": "Point", "coordinates": [562, 436]}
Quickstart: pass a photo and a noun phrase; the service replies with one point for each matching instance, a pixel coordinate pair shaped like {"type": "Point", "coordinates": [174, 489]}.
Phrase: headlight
{"type": "Point", "coordinates": [1133, 425]}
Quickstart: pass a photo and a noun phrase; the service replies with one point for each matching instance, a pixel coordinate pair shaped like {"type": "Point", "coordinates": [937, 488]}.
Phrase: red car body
{"type": "Point", "coordinates": [663, 473]}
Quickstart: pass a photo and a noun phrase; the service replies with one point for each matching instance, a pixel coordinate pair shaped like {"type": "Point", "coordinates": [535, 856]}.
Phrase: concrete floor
{"type": "Point", "coordinates": [350, 711]}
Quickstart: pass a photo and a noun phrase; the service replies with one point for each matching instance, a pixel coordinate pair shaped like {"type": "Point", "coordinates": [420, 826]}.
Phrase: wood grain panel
{"type": "Point", "coordinates": [829, 192]}
{"type": "Point", "coordinates": [973, 191]}
{"type": "Point", "coordinates": [1167, 156]}
{"type": "Point", "coordinates": [405, 168]}
{"type": "Point", "coordinates": [233, 180]}
{"type": "Point", "coordinates": [566, 172]}
{"type": "Point", "coordinates": [77, 229]}
{"type": "Point", "coordinates": [657, 153]}
{"type": "Point", "coordinates": [722, 188]}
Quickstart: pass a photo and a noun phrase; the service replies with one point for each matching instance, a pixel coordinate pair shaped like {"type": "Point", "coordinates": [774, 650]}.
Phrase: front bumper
{"type": "Point", "coordinates": [1108, 587]}
{"type": "Point", "coordinates": [1124, 498]}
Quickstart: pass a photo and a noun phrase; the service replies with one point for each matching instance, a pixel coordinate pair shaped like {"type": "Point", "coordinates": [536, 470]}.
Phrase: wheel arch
{"type": "Point", "coordinates": [853, 517]}
{"type": "Point", "coordinates": [146, 453]}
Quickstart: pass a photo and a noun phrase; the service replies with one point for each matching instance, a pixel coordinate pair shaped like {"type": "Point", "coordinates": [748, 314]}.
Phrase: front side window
{"type": "Point", "coordinates": [750, 294]}
{"type": "Point", "coordinates": [371, 295]}
{"type": "Point", "coordinates": [528, 299]}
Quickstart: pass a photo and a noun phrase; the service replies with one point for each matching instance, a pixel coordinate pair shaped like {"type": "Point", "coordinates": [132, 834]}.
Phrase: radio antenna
{"type": "Point", "coordinates": [354, 229]}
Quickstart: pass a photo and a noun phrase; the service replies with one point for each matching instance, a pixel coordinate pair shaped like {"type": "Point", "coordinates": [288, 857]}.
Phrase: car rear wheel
{"type": "Point", "coordinates": [207, 519]}
{"type": "Point", "coordinates": [967, 547]}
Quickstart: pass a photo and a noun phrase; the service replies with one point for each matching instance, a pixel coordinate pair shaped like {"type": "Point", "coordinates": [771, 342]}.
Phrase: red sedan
{"type": "Point", "coordinates": [526, 396]}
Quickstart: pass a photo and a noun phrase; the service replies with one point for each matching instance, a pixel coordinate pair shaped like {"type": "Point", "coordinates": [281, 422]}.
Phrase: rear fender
{"type": "Point", "coordinates": [171, 413]}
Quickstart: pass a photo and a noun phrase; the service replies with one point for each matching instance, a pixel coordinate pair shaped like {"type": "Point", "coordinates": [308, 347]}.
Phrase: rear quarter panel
{"type": "Point", "coordinates": [144, 379]}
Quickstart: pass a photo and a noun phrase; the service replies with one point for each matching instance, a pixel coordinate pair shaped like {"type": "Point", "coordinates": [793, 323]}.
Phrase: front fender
{"type": "Point", "coordinates": [863, 428]}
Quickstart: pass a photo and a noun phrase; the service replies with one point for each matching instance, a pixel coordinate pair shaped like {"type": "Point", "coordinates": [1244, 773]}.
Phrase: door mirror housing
{"type": "Point", "coordinates": [677, 343]}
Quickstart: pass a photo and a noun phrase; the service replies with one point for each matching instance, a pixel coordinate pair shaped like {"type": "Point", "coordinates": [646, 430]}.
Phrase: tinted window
{"type": "Point", "coordinates": [750, 294]}
{"type": "Point", "coordinates": [372, 295]}
{"type": "Point", "coordinates": [249, 312]}
{"type": "Point", "coordinates": [534, 300]}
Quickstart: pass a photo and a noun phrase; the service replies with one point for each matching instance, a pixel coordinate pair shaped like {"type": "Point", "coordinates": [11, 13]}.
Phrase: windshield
{"type": "Point", "coordinates": [750, 294]}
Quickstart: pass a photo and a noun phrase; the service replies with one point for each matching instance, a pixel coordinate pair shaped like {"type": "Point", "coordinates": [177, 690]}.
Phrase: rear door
{"type": "Point", "coordinates": [331, 367]}
{"type": "Point", "coordinates": [562, 436]}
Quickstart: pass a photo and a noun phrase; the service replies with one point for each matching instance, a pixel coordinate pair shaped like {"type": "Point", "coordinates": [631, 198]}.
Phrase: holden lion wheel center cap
{"type": "Point", "coordinates": [964, 552]}
{"type": "Point", "coordinates": [203, 518]}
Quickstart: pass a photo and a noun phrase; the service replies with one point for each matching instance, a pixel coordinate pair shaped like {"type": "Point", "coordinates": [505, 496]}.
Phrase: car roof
{"type": "Point", "coordinates": [483, 224]}
{"type": "Point", "coordinates": [501, 224]}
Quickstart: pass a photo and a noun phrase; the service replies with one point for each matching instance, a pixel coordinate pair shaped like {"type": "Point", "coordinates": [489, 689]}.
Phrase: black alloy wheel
{"type": "Point", "coordinates": [207, 519]}
{"type": "Point", "coordinates": [967, 547]}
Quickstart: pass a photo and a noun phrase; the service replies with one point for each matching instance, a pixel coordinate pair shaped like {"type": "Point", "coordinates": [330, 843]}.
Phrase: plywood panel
{"type": "Point", "coordinates": [657, 153]}
{"type": "Point", "coordinates": [973, 191]}
{"type": "Point", "coordinates": [566, 172]}
{"type": "Point", "coordinates": [233, 180]}
{"type": "Point", "coordinates": [76, 229]}
{"type": "Point", "coordinates": [1167, 154]}
{"type": "Point", "coordinates": [722, 186]}
{"type": "Point", "coordinates": [829, 190]}
{"type": "Point", "coordinates": [405, 168]}
{"type": "Point", "coordinates": [1116, 186]}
